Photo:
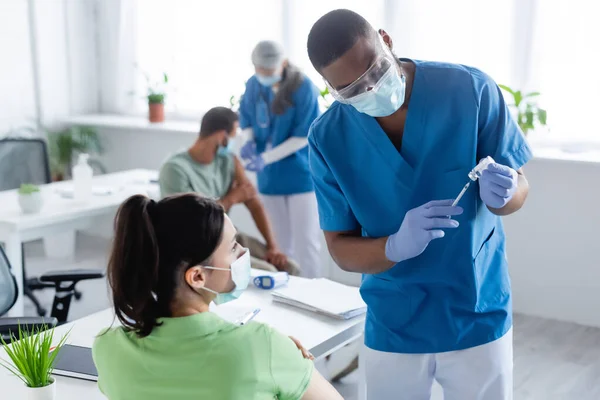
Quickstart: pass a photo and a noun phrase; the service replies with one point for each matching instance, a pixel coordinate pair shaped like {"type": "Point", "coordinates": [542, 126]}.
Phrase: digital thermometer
{"type": "Point", "coordinates": [271, 281]}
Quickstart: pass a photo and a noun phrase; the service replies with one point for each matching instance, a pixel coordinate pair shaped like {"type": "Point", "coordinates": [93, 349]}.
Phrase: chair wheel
{"type": "Point", "coordinates": [78, 295]}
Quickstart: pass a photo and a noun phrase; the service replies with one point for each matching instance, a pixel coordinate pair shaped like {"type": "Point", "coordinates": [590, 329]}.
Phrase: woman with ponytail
{"type": "Point", "coordinates": [169, 261]}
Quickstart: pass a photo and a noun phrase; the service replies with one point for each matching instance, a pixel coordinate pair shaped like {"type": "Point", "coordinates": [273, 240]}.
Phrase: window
{"type": "Point", "coordinates": [306, 12]}
{"type": "Point", "coordinates": [471, 32]}
{"type": "Point", "coordinates": [547, 46]}
{"type": "Point", "coordinates": [204, 46]}
{"type": "Point", "coordinates": [566, 59]}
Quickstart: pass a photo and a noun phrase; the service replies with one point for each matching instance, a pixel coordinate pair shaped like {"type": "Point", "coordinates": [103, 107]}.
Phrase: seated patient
{"type": "Point", "coordinates": [169, 261]}
{"type": "Point", "coordinates": [210, 169]}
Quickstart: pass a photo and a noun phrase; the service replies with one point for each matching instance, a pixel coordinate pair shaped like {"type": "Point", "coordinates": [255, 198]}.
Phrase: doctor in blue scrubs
{"type": "Point", "coordinates": [399, 141]}
{"type": "Point", "coordinates": [276, 111]}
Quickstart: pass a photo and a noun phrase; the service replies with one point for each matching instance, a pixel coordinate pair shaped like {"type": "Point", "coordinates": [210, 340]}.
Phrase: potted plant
{"type": "Point", "coordinates": [30, 198]}
{"type": "Point", "coordinates": [156, 98]}
{"type": "Point", "coordinates": [527, 112]}
{"type": "Point", "coordinates": [32, 361]}
{"type": "Point", "coordinates": [66, 145]}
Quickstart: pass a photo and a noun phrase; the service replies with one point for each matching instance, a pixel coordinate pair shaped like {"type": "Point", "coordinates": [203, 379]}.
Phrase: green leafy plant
{"type": "Point", "coordinates": [234, 102]}
{"type": "Point", "coordinates": [28, 188]}
{"type": "Point", "coordinates": [31, 356]}
{"type": "Point", "coordinates": [529, 115]}
{"type": "Point", "coordinates": [156, 90]}
{"type": "Point", "coordinates": [325, 97]}
{"type": "Point", "coordinates": [65, 145]}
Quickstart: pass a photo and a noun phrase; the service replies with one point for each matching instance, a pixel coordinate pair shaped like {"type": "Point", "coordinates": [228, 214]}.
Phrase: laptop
{"type": "Point", "coordinates": [75, 362]}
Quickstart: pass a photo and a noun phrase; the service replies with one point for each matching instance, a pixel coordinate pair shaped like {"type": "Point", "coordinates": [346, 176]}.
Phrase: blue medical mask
{"type": "Point", "coordinates": [386, 97]}
{"type": "Point", "coordinates": [268, 81]}
{"type": "Point", "coordinates": [224, 150]}
{"type": "Point", "coordinates": [240, 274]}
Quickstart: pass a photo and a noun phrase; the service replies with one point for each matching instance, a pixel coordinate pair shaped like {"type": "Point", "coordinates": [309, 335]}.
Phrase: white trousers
{"type": "Point", "coordinates": [480, 373]}
{"type": "Point", "coordinates": [295, 222]}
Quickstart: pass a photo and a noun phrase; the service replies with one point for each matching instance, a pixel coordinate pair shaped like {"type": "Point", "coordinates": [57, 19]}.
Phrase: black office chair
{"type": "Point", "coordinates": [25, 160]}
{"type": "Point", "coordinates": [64, 283]}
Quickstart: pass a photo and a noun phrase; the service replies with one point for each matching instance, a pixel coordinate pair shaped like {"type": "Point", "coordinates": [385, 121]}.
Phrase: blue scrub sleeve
{"type": "Point", "coordinates": [307, 108]}
{"type": "Point", "coordinates": [245, 110]}
{"type": "Point", "coordinates": [499, 135]}
{"type": "Point", "coordinates": [335, 214]}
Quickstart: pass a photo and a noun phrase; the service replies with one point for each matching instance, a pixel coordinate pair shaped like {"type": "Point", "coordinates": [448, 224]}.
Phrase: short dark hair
{"type": "Point", "coordinates": [334, 34]}
{"type": "Point", "coordinates": [217, 119]}
{"type": "Point", "coordinates": [154, 244]}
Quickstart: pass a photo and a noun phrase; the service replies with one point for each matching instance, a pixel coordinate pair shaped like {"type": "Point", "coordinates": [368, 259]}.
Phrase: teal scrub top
{"type": "Point", "coordinates": [457, 293]}
{"type": "Point", "coordinates": [290, 175]}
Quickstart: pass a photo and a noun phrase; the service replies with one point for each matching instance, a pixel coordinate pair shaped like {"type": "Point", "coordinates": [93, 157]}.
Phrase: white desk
{"type": "Point", "coordinates": [320, 334]}
{"type": "Point", "coordinates": [61, 214]}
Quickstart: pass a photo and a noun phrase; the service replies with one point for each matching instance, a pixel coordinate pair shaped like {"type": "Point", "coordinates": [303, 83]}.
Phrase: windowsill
{"type": "Point", "coordinates": [543, 148]}
{"type": "Point", "coordinates": [137, 123]}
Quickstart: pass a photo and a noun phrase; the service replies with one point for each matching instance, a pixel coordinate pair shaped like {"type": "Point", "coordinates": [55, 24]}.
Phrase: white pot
{"type": "Point", "coordinates": [43, 393]}
{"type": "Point", "coordinates": [31, 203]}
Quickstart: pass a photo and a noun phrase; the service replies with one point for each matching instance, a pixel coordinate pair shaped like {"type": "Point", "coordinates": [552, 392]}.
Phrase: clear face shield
{"type": "Point", "coordinates": [384, 64]}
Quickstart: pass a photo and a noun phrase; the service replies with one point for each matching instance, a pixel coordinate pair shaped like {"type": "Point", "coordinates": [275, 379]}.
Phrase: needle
{"type": "Point", "coordinates": [460, 195]}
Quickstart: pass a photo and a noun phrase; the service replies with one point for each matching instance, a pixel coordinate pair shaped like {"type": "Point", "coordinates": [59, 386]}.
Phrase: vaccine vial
{"type": "Point", "coordinates": [479, 168]}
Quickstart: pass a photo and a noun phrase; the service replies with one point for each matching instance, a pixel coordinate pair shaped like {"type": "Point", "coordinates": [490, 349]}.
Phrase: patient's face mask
{"type": "Point", "coordinates": [227, 148]}
{"type": "Point", "coordinates": [240, 274]}
{"type": "Point", "coordinates": [380, 91]}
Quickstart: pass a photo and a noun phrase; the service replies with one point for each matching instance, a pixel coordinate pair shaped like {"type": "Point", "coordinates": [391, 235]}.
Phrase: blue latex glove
{"type": "Point", "coordinates": [497, 185]}
{"type": "Point", "coordinates": [248, 150]}
{"type": "Point", "coordinates": [256, 163]}
{"type": "Point", "coordinates": [420, 226]}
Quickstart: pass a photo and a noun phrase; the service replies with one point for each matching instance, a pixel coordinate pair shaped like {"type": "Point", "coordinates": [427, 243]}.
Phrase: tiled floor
{"type": "Point", "coordinates": [553, 360]}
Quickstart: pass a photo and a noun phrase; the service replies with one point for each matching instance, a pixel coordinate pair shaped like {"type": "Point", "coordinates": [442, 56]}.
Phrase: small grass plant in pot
{"type": "Point", "coordinates": [32, 360]}
{"type": "Point", "coordinates": [30, 198]}
{"type": "Point", "coordinates": [156, 94]}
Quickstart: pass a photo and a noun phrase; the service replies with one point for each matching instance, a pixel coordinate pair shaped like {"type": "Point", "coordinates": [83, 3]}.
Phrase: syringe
{"type": "Point", "coordinates": [474, 174]}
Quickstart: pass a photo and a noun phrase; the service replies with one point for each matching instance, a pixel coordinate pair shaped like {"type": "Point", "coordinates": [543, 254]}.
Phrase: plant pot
{"type": "Point", "coordinates": [42, 393]}
{"type": "Point", "coordinates": [156, 112]}
{"type": "Point", "coordinates": [31, 203]}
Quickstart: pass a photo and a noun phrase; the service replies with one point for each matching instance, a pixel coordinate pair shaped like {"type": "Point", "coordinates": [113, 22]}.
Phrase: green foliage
{"type": "Point", "coordinates": [32, 360]}
{"type": "Point", "coordinates": [529, 115]}
{"type": "Point", "coordinates": [65, 145]}
{"type": "Point", "coordinates": [28, 188]}
{"type": "Point", "coordinates": [156, 98]}
{"type": "Point", "coordinates": [155, 89]}
{"type": "Point", "coordinates": [325, 97]}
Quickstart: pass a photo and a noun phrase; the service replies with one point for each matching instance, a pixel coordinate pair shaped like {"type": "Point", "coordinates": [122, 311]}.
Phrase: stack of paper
{"type": "Point", "coordinates": [323, 296]}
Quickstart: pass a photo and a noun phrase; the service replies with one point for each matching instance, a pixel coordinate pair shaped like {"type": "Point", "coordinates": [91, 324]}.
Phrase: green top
{"type": "Point", "coordinates": [182, 174]}
{"type": "Point", "coordinates": [201, 357]}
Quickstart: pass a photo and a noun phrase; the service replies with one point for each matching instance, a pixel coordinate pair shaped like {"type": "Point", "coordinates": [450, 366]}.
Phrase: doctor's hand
{"type": "Point", "coordinates": [256, 164]}
{"type": "Point", "coordinates": [420, 226]}
{"type": "Point", "coordinates": [497, 185]}
{"type": "Point", "coordinates": [248, 150]}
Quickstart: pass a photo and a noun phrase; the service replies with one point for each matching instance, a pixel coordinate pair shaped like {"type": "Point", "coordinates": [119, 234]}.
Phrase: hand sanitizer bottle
{"type": "Point", "coordinates": [82, 178]}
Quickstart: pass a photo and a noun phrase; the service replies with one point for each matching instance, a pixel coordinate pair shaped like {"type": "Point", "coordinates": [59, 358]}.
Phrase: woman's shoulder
{"type": "Point", "coordinates": [109, 340]}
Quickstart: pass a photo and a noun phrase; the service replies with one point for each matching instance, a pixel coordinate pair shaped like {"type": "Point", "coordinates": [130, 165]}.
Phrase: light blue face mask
{"type": "Point", "coordinates": [268, 81]}
{"type": "Point", "coordinates": [240, 274]}
{"type": "Point", "coordinates": [386, 97]}
{"type": "Point", "coordinates": [224, 150]}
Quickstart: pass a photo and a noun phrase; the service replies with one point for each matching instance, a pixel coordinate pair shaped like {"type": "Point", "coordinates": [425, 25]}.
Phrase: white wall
{"type": "Point", "coordinates": [61, 53]}
{"type": "Point", "coordinates": [553, 249]}
{"type": "Point", "coordinates": [553, 243]}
